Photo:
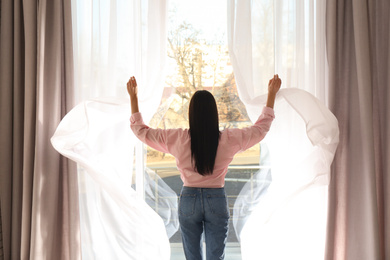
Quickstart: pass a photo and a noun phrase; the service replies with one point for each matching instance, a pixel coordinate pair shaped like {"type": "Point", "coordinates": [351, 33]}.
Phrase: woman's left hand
{"type": "Point", "coordinates": [133, 92]}
{"type": "Point", "coordinates": [132, 87]}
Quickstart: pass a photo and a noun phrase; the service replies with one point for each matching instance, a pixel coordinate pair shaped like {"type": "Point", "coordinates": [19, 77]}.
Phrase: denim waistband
{"type": "Point", "coordinates": [200, 188]}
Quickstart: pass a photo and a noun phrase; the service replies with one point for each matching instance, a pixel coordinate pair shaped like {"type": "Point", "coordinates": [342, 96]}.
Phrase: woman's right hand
{"type": "Point", "coordinates": [274, 84]}
{"type": "Point", "coordinates": [273, 88]}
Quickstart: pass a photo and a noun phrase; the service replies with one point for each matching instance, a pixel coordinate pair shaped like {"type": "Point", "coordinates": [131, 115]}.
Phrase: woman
{"type": "Point", "coordinates": [203, 154]}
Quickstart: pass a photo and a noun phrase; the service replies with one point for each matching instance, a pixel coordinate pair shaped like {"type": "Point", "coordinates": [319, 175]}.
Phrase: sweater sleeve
{"type": "Point", "coordinates": [247, 137]}
{"type": "Point", "coordinates": [155, 138]}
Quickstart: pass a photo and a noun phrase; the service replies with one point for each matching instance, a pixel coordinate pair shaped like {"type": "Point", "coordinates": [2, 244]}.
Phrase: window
{"type": "Point", "coordinates": [198, 58]}
{"type": "Point", "coordinates": [115, 38]}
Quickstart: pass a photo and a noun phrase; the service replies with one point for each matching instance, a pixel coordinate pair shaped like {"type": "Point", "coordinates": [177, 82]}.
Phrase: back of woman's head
{"type": "Point", "coordinates": [204, 131]}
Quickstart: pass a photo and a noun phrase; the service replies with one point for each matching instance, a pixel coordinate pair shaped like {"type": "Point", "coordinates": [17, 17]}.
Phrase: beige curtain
{"type": "Point", "coordinates": [38, 188]}
{"type": "Point", "coordinates": [359, 204]}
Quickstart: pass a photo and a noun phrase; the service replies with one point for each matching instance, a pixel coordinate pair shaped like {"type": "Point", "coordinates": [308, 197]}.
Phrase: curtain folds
{"type": "Point", "coordinates": [39, 203]}
{"type": "Point", "coordinates": [114, 40]}
{"type": "Point", "coordinates": [358, 53]}
{"type": "Point", "coordinates": [39, 188]}
{"type": "Point", "coordinates": [287, 38]}
{"type": "Point", "coordinates": [283, 37]}
{"type": "Point", "coordinates": [116, 222]}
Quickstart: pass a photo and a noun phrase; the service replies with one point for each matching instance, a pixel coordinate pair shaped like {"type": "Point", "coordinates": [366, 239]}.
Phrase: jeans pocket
{"type": "Point", "coordinates": [218, 205]}
{"type": "Point", "coordinates": [187, 204]}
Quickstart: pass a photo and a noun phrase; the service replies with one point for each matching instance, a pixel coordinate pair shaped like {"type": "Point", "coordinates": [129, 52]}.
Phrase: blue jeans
{"type": "Point", "coordinates": [203, 209]}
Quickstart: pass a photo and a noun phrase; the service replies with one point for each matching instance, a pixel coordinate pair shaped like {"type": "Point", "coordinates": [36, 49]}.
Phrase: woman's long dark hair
{"type": "Point", "coordinates": [204, 131]}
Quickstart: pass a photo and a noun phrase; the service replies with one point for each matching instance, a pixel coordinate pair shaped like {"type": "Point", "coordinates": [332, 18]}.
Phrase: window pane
{"type": "Point", "coordinates": [198, 59]}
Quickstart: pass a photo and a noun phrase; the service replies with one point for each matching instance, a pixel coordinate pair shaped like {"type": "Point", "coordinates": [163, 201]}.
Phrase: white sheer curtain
{"type": "Point", "coordinates": [114, 40]}
{"type": "Point", "coordinates": [288, 38]}
{"type": "Point", "coordinates": [283, 37]}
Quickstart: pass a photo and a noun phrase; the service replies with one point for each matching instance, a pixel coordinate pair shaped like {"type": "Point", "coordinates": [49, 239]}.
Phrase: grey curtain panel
{"type": "Point", "coordinates": [359, 199]}
{"type": "Point", "coordinates": [38, 188]}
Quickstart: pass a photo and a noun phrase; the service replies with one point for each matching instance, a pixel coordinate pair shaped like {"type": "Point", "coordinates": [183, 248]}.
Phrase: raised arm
{"type": "Point", "coordinates": [273, 88]}
{"type": "Point", "coordinates": [133, 92]}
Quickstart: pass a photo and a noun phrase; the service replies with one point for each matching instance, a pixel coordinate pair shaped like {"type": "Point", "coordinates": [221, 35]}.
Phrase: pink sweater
{"type": "Point", "coordinates": [178, 143]}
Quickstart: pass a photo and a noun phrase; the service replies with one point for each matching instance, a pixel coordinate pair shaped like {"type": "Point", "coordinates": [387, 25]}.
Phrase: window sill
{"type": "Point", "coordinates": [233, 251]}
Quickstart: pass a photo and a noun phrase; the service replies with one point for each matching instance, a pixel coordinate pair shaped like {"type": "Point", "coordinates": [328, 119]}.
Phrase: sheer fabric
{"type": "Point", "coordinates": [121, 224]}
{"type": "Point", "coordinates": [116, 222]}
{"type": "Point", "coordinates": [288, 208]}
{"type": "Point", "coordinates": [283, 37]}
{"type": "Point", "coordinates": [114, 40]}
{"type": "Point", "coordinates": [301, 143]}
